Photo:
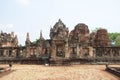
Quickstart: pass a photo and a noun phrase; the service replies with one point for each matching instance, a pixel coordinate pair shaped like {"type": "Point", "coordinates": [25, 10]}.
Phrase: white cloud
{"type": "Point", "coordinates": [24, 2]}
{"type": "Point", "coordinates": [6, 26]}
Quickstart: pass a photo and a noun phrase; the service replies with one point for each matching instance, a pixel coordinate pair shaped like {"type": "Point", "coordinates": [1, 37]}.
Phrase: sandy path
{"type": "Point", "coordinates": [74, 72]}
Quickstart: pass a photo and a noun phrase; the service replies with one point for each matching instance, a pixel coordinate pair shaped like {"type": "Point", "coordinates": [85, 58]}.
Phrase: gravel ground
{"type": "Point", "coordinates": [73, 72]}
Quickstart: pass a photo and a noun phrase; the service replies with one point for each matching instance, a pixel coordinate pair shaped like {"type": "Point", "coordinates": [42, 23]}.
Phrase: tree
{"type": "Point", "coordinates": [117, 41]}
{"type": "Point", "coordinates": [113, 36]}
{"type": "Point", "coordinates": [36, 42]}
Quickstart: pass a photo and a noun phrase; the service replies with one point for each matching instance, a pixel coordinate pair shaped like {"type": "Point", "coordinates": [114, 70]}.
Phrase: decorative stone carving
{"type": "Point", "coordinates": [59, 31]}
{"type": "Point", "coordinates": [59, 40]}
{"type": "Point", "coordinates": [60, 45]}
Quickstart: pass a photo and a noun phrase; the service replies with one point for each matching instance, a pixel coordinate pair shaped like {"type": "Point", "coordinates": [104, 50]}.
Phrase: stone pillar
{"type": "Point", "coordinates": [67, 52]}
{"type": "Point", "coordinates": [53, 54]}
{"type": "Point", "coordinates": [78, 54]}
{"type": "Point", "coordinates": [81, 52]}
{"type": "Point", "coordinates": [91, 51]}
{"type": "Point", "coordinates": [38, 51]}
{"type": "Point", "coordinates": [5, 53]}
{"type": "Point", "coordinates": [13, 53]}
{"type": "Point", "coordinates": [28, 51]}
{"type": "Point", "coordinates": [24, 52]}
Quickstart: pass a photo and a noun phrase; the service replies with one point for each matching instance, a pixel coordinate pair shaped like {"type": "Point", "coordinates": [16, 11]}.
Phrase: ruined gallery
{"type": "Point", "coordinates": [63, 44]}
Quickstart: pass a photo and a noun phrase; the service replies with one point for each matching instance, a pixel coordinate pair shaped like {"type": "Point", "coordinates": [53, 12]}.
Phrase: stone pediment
{"type": "Point", "coordinates": [59, 31]}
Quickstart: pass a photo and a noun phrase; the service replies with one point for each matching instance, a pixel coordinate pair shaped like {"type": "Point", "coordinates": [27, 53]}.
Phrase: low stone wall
{"type": "Point", "coordinates": [5, 69]}
{"type": "Point", "coordinates": [114, 70]}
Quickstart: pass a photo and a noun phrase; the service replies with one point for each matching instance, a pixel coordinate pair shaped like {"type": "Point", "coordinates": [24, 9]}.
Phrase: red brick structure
{"type": "Point", "coordinates": [101, 38]}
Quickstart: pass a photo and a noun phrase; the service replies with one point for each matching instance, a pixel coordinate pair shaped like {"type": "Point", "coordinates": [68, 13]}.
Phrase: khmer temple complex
{"type": "Point", "coordinates": [63, 44]}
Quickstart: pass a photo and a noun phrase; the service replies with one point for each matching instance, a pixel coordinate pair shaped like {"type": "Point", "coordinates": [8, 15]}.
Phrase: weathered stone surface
{"type": "Point", "coordinates": [27, 42]}
{"type": "Point", "coordinates": [101, 38]}
{"type": "Point", "coordinates": [59, 40]}
{"type": "Point", "coordinates": [92, 37]}
{"type": "Point", "coordinates": [78, 43]}
{"type": "Point", "coordinates": [80, 33]}
{"type": "Point", "coordinates": [8, 40]}
{"type": "Point", "coordinates": [59, 31]}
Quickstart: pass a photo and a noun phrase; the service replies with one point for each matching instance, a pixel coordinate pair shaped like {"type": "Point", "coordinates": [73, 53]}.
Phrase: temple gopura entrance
{"type": "Point", "coordinates": [58, 49]}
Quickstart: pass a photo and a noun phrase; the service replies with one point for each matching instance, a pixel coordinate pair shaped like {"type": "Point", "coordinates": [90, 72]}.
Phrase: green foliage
{"type": "Point", "coordinates": [36, 41]}
{"type": "Point", "coordinates": [117, 41]}
{"type": "Point", "coordinates": [113, 36]}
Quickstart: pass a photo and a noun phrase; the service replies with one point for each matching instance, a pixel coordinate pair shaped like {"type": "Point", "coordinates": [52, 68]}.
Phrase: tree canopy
{"type": "Point", "coordinates": [117, 41]}
{"type": "Point", "coordinates": [113, 36]}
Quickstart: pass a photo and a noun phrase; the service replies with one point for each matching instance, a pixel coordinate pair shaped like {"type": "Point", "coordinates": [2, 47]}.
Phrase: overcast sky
{"type": "Point", "coordinates": [22, 16]}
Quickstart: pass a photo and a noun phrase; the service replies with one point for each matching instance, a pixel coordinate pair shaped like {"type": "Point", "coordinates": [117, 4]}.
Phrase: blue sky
{"type": "Point", "coordinates": [22, 16]}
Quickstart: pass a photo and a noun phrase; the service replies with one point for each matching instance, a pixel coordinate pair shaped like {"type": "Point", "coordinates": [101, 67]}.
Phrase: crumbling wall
{"type": "Point", "coordinates": [101, 38]}
{"type": "Point", "coordinates": [80, 34]}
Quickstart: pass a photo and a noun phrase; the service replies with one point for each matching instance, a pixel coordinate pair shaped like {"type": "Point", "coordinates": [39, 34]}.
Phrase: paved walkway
{"type": "Point", "coordinates": [73, 72]}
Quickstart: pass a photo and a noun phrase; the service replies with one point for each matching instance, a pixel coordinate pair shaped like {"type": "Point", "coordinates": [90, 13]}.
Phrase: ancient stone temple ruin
{"type": "Point", "coordinates": [63, 44]}
{"type": "Point", "coordinates": [79, 41]}
{"type": "Point", "coordinates": [8, 41]}
{"type": "Point", "coordinates": [101, 38]}
{"type": "Point", "coordinates": [59, 40]}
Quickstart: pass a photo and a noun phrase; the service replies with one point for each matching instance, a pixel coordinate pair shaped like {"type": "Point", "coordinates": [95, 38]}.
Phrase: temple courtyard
{"type": "Point", "coordinates": [72, 72]}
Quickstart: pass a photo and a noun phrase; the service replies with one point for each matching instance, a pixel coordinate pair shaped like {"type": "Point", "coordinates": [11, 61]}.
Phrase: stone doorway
{"type": "Point", "coordinates": [60, 50]}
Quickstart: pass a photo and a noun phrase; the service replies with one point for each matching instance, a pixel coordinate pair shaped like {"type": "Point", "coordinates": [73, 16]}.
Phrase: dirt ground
{"type": "Point", "coordinates": [41, 72]}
